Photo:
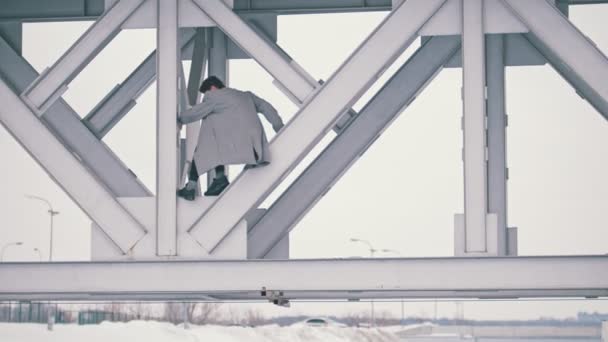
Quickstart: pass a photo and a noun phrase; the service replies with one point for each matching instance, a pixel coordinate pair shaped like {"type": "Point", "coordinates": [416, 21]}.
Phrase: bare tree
{"type": "Point", "coordinates": [355, 319]}
{"type": "Point", "coordinates": [253, 317]}
{"type": "Point", "coordinates": [385, 318]}
{"type": "Point", "coordinates": [139, 311]}
{"type": "Point", "coordinates": [115, 310]}
{"type": "Point", "coordinates": [204, 313]}
{"type": "Point", "coordinates": [198, 313]}
{"type": "Point", "coordinates": [174, 312]}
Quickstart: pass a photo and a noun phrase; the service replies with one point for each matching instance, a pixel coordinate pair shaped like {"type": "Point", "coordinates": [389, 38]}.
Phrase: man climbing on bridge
{"type": "Point", "coordinates": [231, 133]}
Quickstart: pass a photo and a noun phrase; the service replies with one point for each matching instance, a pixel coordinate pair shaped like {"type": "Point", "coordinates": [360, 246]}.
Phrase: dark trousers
{"type": "Point", "coordinates": [193, 175]}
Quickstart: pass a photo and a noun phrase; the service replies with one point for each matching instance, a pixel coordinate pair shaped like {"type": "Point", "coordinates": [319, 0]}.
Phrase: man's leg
{"type": "Point", "coordinates": [189, 191]}
{"type": "Point", "coordinates": [193, 175]}
{"type": "Point", "coordinates": [220, 182]}
{"type": "Point", "coordinates": [220, 171]}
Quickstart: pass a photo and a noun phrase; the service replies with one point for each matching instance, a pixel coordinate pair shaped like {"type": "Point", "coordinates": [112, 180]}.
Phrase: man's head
{"type": "Point", "coordinates": [211, 83]}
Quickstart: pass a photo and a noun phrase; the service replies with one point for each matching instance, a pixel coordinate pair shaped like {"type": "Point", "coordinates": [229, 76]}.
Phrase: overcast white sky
{"type": "Point", "coordinates": [401, 195]}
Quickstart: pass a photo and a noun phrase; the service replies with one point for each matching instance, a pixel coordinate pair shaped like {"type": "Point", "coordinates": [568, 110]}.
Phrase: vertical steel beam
{"type": "Point", "coordinates": [123, 97]}
{"type": "Point", "coordinates": [474, 125]}
{"type": "Point", "coordinates": [167, 144]}
{"type": "Point", "coordinates": [394, 97]}
{"type": "Point", "coordinates": [497, 123]}
{"type": "Point", "coordinates": [200, 56]}
{"type": "Point", "coordinates": [315, 119]}
{"type": "Point", "coordinates": [51, 84]}
{"type": "Point", "coordinates": [570, 52]}
{"type": "Point", "coordinates": [218, 58]}
{"type": "Point", "coordinates": [218, 66]}
{"type": "Point", "coordinates": [66, 124]}
{"type": "Point", "coordinates": [94, 199]}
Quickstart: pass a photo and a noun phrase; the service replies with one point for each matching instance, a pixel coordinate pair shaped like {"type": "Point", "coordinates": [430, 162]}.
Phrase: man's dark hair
{"type": "Point", "coordinates": [211, 81]}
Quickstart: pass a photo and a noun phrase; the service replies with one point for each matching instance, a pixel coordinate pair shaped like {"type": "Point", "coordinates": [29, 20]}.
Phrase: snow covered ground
{"type": "Point", "coordinates": [164, 332]}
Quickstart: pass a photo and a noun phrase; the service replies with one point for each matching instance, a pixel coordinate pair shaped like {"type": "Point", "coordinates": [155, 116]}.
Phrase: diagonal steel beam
{"type": "Point", "coordinates": [315, 119]}
{"type": "Point", "coordinates": [69, 173]}
{"type": "Point", "coordinates": [396, 95]}
{"type": "Point", "coordinates": [112, 108]}
{"type": "Point", "coordinates": [297, 84]}
{"type": "Point", "coordinates": [47, 88]}
{"type": "Point", "coordinates": [278, 64]}
{"type": "Point", "coordinates": [66, 124]}
{"type": "Point", "coordinates": [570, 52]}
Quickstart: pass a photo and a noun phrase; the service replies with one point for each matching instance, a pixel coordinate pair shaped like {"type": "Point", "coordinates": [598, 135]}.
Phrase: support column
{"type": "Point", "coordinates": [167, 142]}
{"type": "Point", "coordinates": [474, 127]}
{"type": "Point", "coordinates": [200, 56]}
{"type": "Point", "coordinates": [218, 66]}
{"type": "Point", "coordinates": [497, 123]}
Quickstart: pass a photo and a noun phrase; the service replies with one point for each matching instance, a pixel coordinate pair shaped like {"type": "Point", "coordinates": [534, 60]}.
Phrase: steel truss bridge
{"type": "Point", "coordinates": [153, 246]}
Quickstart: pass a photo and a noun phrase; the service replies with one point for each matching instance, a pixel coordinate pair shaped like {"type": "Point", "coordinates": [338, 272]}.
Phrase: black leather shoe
{"type": "Point", "coordinates": [217, 186]}
{"type": "Point", "coordinates": [186, 194]}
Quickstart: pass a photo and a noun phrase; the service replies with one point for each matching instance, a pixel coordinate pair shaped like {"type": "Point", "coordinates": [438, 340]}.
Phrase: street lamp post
{"type": "Point", "coordinates": [52, 214]}
{"type": "Point", "coordinates": [372, 251]}
{"type": "Point", "coordinates": [7, 245]}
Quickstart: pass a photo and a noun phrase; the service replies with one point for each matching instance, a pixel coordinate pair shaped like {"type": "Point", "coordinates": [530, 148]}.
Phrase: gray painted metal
{"type": "Point", "coordinates": [264, 23]}
{"type": "Point", "coordinates": [486, 277]}
{"type": "Point", "coordinates": [311, 6]}
{"type": "Point", "coordinates": [167, 134]}
{"type": "Point", "coordinates": [62, 10]}
{"type": "Point", "coordinates": [497, 122]}
{"type": "Point", "coordinates": [44, 10]}
{"type": "Point", "coordinates": [200, 54]}
{"type": "Point", "coordinates": [259, 48]}
{"type": "Point", "coordinates": [70, 174]}
{"type": "Point", "coordinates": [315, 119]}
{"type": "Point", "coordinates": [218, 66]}
{"type": "Point", "coordinates": [474, 126]}
{"type": "Point", "coordinates": [18, 73]}
{"type": "Point", "coordinates": [114, 106]}
{"type": "Point", "coordinates": [12, 32]}
{"type": "Point", "coordinates": [350, 144]}
{"type": "Point", "coordinates": [570, 52]}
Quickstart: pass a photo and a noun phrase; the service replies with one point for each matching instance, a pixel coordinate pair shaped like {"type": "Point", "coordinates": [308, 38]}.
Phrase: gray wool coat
{"type": "Point", "coordinates": [231, 131]}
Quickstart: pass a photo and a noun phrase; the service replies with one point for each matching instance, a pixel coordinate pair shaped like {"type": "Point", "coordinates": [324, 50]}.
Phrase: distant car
{"type": "Point", "coordinates": [321, 322]}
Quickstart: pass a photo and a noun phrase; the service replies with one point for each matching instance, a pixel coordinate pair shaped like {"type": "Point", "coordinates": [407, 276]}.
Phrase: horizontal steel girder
{"type": "Point", "coordinates": [486, 277]}
{"type": "Point", "coordinates": [44, 10]}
